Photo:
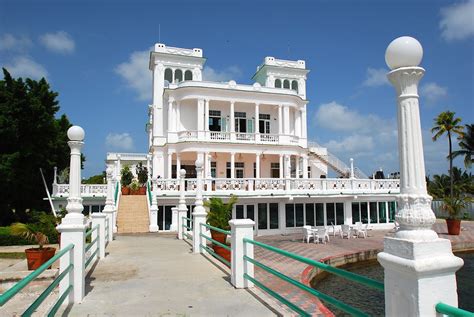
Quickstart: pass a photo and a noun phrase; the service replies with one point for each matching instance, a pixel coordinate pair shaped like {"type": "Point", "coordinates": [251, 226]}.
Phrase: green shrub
{"type": "Point", "coordinates": [7, 239]}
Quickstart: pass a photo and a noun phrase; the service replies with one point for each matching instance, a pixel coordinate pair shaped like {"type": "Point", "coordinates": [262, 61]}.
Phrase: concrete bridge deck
{"type": "Point", "coordinates": [156, 275]}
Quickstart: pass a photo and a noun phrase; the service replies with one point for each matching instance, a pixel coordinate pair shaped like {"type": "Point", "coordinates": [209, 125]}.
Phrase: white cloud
{"type": "Point", "coordinates": [376, 77]}
{"type": "Point", "coordinates": [352, 143]}
{"type": "Point", "coordinates": [433, 92]}
{"type": "Point", "coordinates": [23, 66]}
{"type": "Point", "coordinates": [119, 141]}
{"type": "Point", "coordinates": [457, 21]}
{"type": "Point", "coordinates": [136, 74]}
{"type": "Point", "coordinates": [59, 42]}
{"type": "Point", "coordinates": [9, 42]}
{"type": "Point", "coordinates": [229, 73]}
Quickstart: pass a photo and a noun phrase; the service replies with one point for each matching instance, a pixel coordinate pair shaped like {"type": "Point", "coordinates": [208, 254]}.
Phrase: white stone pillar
{"type": "Point", "coordinates": [297, 122]}
{"type": "Point", "coordinates": [178, 164]}
{"type": "Point", "coordinates": [153, 227]}
{"type": "Point", "coordinates": [109, 209]}
{"type": "Point", "coordinates": [286, 119]}
{"type": "Point", "coordinates": [281, 166]}
{"type": "Point", "coordinates": [182, 208]}
{"type": "Point", "coordinates": [303, 123]}
{"type": "Point", "coordinates": [178, 116]}
{"type": "Point", "coordinates": [199, 213]}
{"type": "Point", "coordinates": [73, 225]}
{"type": "Point", "coordinates": [287, 171]}
{"type": "Point", "coordinates": [99, 218]}
{"type": "Point", "coordinates": [170, 165]}
{"type": "Point", "coordinates": [232, 165]}
{"type": "Point", "coordinates": [200, 115]}
{"type": "Point", "coordinates": [174, 219]}
{"type": "Point", "coordinates": [257, 122]}
{"type": "Point", "coordinates": [305, 167]}
{"type": "Point", "coordinates": [280, 119]}
{"type": "Point", "coordinates": [155, 164]}
{"type": "Point", "coordinates": [419, 267]}
{"type": "Point", "coordinates": [352, 168]}
{"type": "Point", "coordinates": [170, 115]}
{"type": "Point", "coordinates": [257, 165]}
{"type": "Point", "coordinates": [232, 121]}
{"type": "Point", "coordinates": [297, 167]}
{"type": "Point", "coordinates": [206, 115]}
{"type": "Point", "coordinates": [240, 229]}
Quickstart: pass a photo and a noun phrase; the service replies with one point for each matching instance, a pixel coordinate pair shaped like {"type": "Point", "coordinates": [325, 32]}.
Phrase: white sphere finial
{"type": "Point", "coordinates": [404, 51]}
{"type": "Point", "coordinates": [75, 133]}
{"type": "Point", "coordinates": [198, 163]}
{"type": "Point", "coordinates": [182, 172]}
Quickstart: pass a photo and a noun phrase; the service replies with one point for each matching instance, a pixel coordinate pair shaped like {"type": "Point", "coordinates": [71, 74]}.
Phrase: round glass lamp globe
{"type": "Point", "coordinates": [75, 133]}
{"type": "Point", "coordinates": [404, 51]}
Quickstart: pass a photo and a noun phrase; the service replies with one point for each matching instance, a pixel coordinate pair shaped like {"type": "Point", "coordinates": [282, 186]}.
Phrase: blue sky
{"type": "Point", "coordinates": [94, 53]}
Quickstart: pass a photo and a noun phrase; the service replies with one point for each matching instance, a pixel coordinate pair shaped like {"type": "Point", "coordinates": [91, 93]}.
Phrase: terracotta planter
{"type": "Point", "coordinates": [36, 257]}
{"type": "Point", "coordinates": [125, 190]}
{"type": "Point", "coordinates": [220, 237]}
{"type": "Point", "coordinates": [142, 190]}
{"type": "Point", "coordinates": [454, 226]}
{"type": "Point", "coordinates": [134, 191]}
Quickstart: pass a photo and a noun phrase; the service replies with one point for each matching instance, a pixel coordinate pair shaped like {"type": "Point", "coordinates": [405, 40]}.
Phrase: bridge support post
{"type": "Point", "coordinates": [99, 218]}
{"type": "Point", "coordinates": [240, 229]}
{"type": "Point", "coordinates": [73, 225]}
{"type": "Point", "coordinates": [419, 266]}
{"type": "Point", "coordinates": [182, 209]}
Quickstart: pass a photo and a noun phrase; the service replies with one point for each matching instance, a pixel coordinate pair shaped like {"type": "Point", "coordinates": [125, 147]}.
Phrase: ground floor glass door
{"type": "Point", "coordinates": [164, 217]}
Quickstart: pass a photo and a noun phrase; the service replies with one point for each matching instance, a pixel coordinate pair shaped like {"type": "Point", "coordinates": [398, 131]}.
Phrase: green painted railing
{"type": "Point", "coordinates": [91, 244]}
{"type": "Point", "coordinates": [452, 311]}
{"type": "Point", "coordinates": [15, 289]}
{"type": "Point", "coordinates": [345, 274]}
{"type": "Point", "coordinates": [188, 228]}
{"type": "Point", "coordinates": [148, 186]}
{"type": "Point", "coordinates": [116, 193]}
{"type": "Point", "coordinates": [211, 251]}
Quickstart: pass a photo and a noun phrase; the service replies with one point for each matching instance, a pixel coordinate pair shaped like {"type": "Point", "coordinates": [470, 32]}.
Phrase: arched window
{"type": "Point", "coordinates": [169, 75]}
{"type": "Point", "coordinates": [294, 85]}
{"type": "Point", "coordinates": [286, 84]}
{"type": "Point", "coordinates": [277, 83]}
{"type": "Point", "coordinates": [188, 75]}
{"type": "Point", "coordinates": [178, 76]}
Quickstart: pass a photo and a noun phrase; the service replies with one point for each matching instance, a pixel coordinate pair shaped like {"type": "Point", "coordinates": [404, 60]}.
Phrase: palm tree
{"type": "Point", "coordinates": [445, 122]}
{"type": "Point", "coordinates": [466, 144]}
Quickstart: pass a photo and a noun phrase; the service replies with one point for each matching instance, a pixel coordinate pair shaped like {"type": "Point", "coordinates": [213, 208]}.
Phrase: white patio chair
{"type": "Point", "coordinates": [357, 228]}
{"type": "Point", "coordinates": [308, 234]}
{"type": "Point", "coordinates": [363, 231]}
{"type": "Point", "coordinates": [346, 231]}
{"type": "Point", "coordinates": [322, 236]}
{"type": "Point", "coordinates": [334, 229]}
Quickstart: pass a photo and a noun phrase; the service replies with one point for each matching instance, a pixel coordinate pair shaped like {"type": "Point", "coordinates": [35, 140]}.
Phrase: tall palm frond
{"type": "Point", "coordinates": [466, 143]}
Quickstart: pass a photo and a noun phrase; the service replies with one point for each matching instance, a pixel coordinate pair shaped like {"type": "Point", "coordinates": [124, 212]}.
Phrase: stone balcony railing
{"type": "Point", "coordinates": [239, 137]}
{"type": "Point", "coordinates": [251, 186]}
{"type": "Point", "coordinates": [87, 190]}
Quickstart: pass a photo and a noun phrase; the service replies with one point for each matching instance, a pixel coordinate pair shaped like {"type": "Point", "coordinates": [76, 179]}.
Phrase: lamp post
{"type": "Point", "coordinates": [73, 225]}
{"type": "Point", "coordinates": [419, 267]}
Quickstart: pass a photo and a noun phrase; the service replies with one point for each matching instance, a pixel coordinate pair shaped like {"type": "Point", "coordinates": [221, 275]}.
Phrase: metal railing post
{"type": "Point", "coordinates": [99, 218]}
{"type": "Point", "coordinates": [240, 229]}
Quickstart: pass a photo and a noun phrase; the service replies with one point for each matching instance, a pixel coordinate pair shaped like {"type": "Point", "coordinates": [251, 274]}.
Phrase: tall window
{"type": "Point", "coordinates": [240, 122]}
{"type": "Point", "coordinates": [278, 83]}
{"type": "Point", "coordinates": [215, 120]}
{"type": "Point", "coordinates": [213, 169]}
{"type": "Point", "coordinates": [286, 84]}
{"type": "Point", "coordinates": [294, 85]}
{"type": "Point", "coordinates": [275, 170]}
{"type": "Point", "coordinates": [188, 75]}
{"type": "Point", "coordinates": [239, 169]}
{"type": "Point", "coordinates": [169, 75]}
{"type": "Point", "coordinates": [264, 123]}
{"type": "Point", "coordinates": [178, 76]}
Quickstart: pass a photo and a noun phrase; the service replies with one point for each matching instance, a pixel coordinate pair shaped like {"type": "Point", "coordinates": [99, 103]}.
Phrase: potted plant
{"type": "Point", "coordinates": [134, 188]}
{"type": "Point", "coordinates": [454, 207]}
{"type": "Point", "coordinates": [35, 256]}
{"type": "Point", "coordinates": [126, 179]}
{"type": "Point", "coordinates": [218, 216]}
{"type": "Point", "coordinates": [142, 176]}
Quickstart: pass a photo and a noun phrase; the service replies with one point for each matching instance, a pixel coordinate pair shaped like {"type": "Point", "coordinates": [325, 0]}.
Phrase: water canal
{"type": "Point", "coordinates": [371, 301]}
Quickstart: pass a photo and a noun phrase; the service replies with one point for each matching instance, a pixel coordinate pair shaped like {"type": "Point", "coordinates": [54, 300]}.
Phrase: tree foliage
{"type": "Point", "coordinates": [96, 179]}
{"type": "Point", "coordinates": [466, 143]}
{"type": "Point", "coordinates": [439, 185]}
{"type": "Point", "coordinates": [219, 212]}
{"type": "Point", "coordinates": [31, 137]}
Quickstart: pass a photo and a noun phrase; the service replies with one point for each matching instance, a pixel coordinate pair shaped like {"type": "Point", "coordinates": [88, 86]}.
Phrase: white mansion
{"type": "Point", "coordinates": [253, 142]}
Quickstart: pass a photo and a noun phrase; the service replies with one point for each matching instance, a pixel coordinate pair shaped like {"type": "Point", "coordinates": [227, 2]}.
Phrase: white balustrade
{"type": "Point", "coordinates": [86, 190]}
{"type": "Point", "coordinates": [187, 135]}
{"type": "Point", "coordinates": [269, 138]}
{"type": "Point", "coordinates": [219, 136]}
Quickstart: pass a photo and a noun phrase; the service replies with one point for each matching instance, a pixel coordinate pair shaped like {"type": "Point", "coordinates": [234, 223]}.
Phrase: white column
{"type": "Point", "coordinates": [352, 168]}
{"type": "Point", "coordinates": [182, 208]}
{"type": "Point", "coordinates": [280, 119]}
{"type": "Point", "coordinates": [287, 171]}
{"type": "Point", "coordinates": [170, 165]}
{"type": "Point", "coordinates": [174, 219]}
{"type": "Point", "coordinates": [155, 163]}
{"type": "Point", "coordinates": [178, 116]}
{"type": "Point", "coordinates": [153, 227]}
{"type": "Point", "coordinates": [99, 218]}
{"type": "Point", "coordinates": [206, 115]}
{"type": "Point", "coordinates": [232, 121]}
{"type": "Point", "coordinates": [305, 167]}
{"type": "Point", "coordinates": [257, 122]}
{"type": "Point", "coordinates": [286, 119]}
{"type": "Point", "coordinates": [257, 165]}
{"type": "Point", "coordinates": [232, 165]}
{"type": "Point", "coordinates": [178, 164]}
{"type": "Point", "coordinates": [73, 225]}
{"type": "Point", "coordinates": [109, 209]}
{"type": "Point", "coordinates": [281, 167]}
{"type": "Point", "coordinates": [304, 123]}
{"type": "Point", "coordinates": [170, 116]}
{"type": "Point", "coordinates": [199, 213]}
{"type": "Point", "coordinates": [297, 166]}
{"type": "Point", "coordinates": [297, 122]}
{"type": "Point", "coordinates": [240, 229]}
{"type": "Point", "coordinates": [419, 267]}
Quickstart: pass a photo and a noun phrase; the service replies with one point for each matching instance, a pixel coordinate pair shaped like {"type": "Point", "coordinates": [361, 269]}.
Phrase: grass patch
{"type": "Point", "coordinates": [12, 255]}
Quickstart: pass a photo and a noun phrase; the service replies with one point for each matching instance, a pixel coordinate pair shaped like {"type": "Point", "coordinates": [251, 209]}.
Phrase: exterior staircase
{"type": "Point", "coordinates": [132, 214]}
{"type": "Point", "coordinates": [333, 162]}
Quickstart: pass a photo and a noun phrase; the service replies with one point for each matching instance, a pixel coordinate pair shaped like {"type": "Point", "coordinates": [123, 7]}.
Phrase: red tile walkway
{"type": "Point", "coordinates": [336, 247]}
